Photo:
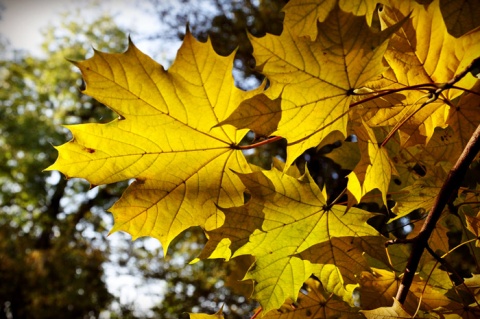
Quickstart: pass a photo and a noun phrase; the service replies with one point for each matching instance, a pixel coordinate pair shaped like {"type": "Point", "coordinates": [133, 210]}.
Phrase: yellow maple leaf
{"type": "Point", "coordinates": [316, 79]}
{"type": "Point", "coordinates": [375, 168]}
{"type": "Point", "coordinates": [295, 217]}
{"type": "Point", "coordinates": [165, 138]}
{"type": "Point", "coordinates": [217, 315]}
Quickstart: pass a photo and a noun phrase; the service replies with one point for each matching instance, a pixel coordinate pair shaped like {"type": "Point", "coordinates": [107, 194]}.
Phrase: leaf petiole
{"type": "Point", "coordinates": [258, 144]}
{"type": "Point", "coordinates": [255, 315]}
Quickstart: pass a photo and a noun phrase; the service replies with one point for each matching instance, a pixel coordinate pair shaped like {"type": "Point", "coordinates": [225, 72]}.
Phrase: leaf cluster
{"type": "Point", "coordinates": [390, 85]}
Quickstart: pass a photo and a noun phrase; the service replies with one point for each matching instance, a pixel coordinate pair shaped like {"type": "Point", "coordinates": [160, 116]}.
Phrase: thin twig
{"type": "Point", "coordinates": [338, 197]}
{"type": "Point", "coordinates": [449, 267]}
{"type": "Point", "coordinates": [465, 90]}
{"type": "Point", "coordinates": [255, 315]}
{"type": "Point", "coordinates": [431, 98]}
{"type": "Point", "coordinates": [397, 241]}
{"type": "Point", "coordinates": [444, 263]}
{"type": "Point", "coordinates": [258, 144]}
{"type": "Point", "coordinates": [460, 245]}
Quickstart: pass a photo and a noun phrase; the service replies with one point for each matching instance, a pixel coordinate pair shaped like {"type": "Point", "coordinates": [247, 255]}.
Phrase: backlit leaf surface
{"type": "Point", "coordinates": [460, 16]}
{"type": "Point", "coordinates": [295, 218]}
{"type": "Point", "coordinates": [374, 170]}
{"type": "Point", "coordinates": [316, 79]}
{"type": "Point", "coordinates": [422, 51]}
{"type": "Point", "coordinates": [395, 311]}
{"type": "Point", "coordinates": [314, 302]}
{"type": "Point", "coordinates": [165, 139]}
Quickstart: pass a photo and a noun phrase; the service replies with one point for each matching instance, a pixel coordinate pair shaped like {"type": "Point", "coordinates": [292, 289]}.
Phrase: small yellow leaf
{"type": "Point", "coordinates": [473, 225]}
{"type": "Point", "coordinates": [396, 311]}
{"type": "Point", "coordinates": [434, 56]}
{"type": "Point", "coordinates": [347, 254]}
{"type": "Point", "coordinates": [217, 315]}
{"type": "Point", "coordinates": [377, 288]}
{"type": "Point", "coordinates": [240, 223]}
{"type": "Point", "coordinates": [259, 113]}
{"type": "Point", "coordinates": [429, 58]}
{"type": "Point", "coordinates": [331, 278]}
{"type": "Point", "coordinates": [420, 195]}
{"type": "Point", "coordinates": [374, 170]}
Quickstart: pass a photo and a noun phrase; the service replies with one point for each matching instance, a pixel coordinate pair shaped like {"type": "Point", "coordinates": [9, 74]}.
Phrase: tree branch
{"type": "Point", "coordinates": [450, 187]}
{"type": "Point", "coordinates": [51, 216]}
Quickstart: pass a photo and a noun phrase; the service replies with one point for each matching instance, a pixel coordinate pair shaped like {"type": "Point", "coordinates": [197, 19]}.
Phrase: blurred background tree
{"type": "Point", "coordinates": [227, 23]}
{"type": "Point", "coordinates": [52, 241]}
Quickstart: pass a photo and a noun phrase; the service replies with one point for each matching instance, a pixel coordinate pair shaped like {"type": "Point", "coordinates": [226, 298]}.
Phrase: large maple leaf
{"type": "Point", "coordinates": [295, 217]}
{"type": "Point", "coordinates": [316, 79]}
{"type": "Point", "coordinates": [165, 138]}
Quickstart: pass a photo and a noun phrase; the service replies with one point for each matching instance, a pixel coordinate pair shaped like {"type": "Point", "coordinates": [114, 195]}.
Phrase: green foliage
{"type": "Point", "coordinates": [49, 262]}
